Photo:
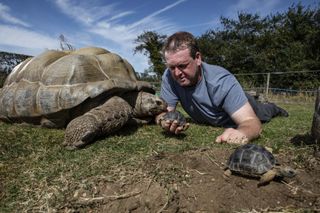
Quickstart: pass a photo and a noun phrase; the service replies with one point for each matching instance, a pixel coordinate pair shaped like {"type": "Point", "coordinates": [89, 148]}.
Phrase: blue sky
{"type": "Point", "coordinates": [31, 26]}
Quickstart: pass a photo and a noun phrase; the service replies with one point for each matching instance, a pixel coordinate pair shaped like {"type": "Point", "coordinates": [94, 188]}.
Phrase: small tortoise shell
{"type": "Point", "coordinates": [251, 159]}
{"type": "Point", "coordinates": [175, 115]}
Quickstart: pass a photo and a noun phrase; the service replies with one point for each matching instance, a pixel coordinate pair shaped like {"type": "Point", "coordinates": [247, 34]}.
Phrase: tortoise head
{"type": "Point", "coordinates": [287, 172]}
{"type": "Point", "coordinates": [147, 104]}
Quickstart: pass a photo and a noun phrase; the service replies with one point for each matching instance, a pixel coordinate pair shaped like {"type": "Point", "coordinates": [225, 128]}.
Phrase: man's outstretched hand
{"type": "Point", "coordinates": [232, 136]}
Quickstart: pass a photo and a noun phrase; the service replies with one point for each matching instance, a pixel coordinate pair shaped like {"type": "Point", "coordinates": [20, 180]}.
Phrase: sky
{"type": "Point", "coordinates": [33, 26]}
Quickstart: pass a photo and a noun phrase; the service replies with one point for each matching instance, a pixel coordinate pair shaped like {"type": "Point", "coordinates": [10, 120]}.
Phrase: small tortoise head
{"type": "Point", "coordinates": [147, 104]}
{"type": "Point", "coordinates": [287, 172]}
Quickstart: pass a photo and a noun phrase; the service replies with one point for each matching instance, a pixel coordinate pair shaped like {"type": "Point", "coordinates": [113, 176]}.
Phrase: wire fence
{"type": "Point", "coordinates": [268, 77]}
{"type": "Point", "coordinates": [283, 94]}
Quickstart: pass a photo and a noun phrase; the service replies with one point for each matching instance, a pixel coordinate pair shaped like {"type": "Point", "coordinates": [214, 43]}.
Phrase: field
{"type": "Point", "coordinates": [143, 169]}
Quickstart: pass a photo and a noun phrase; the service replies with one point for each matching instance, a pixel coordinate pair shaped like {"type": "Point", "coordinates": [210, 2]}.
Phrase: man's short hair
{"type": "Point", "coordinates": [180, 41]}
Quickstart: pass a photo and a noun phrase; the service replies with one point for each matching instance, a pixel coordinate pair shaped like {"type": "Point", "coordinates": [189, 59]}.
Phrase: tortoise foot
{"type": "Point", "coordinates": [99, 121]}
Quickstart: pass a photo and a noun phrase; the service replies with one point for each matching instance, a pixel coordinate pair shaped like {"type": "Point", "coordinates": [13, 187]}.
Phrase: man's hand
{"type": "Point", "coordinates": [232, 136]}
{"type": "Point", "coordinates": [171, 125]}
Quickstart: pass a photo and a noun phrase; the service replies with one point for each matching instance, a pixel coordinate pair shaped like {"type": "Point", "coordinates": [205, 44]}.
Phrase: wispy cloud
{"type": "Point", "coordinates": [22, 37]}
{"type": "Point", "coordinates": [262, 7]}
{"type": "Point", "coordinates": [87, 13]}
{"type": "Point", "coordinates": [102, 20]}
{"type": "Point", "coordinates": [148, 18]}
{"type": "Point", "coordinates": [7, 17]}
{"type": "Point", "coordinates": [120, 15]}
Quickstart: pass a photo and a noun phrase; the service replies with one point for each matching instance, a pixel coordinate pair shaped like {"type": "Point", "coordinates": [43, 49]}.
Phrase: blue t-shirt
{"type": "Point", "coordinates": [215, 97]}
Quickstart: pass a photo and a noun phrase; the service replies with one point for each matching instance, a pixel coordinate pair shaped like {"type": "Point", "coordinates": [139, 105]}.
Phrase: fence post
{"type": "Point", "coordinates": [268, 81]}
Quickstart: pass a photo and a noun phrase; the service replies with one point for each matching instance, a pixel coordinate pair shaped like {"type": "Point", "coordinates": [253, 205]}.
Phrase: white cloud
{"type": "Point", "coordinates": [87, 13]}
{"type": "Point", "coordinates": [148, 19]}
{"type": "Point", "coordinates": [5, 16]}
{"type": "Point", "coordinates": [120, 15]}
{"type": "Point", "coordinates": [21, 37]}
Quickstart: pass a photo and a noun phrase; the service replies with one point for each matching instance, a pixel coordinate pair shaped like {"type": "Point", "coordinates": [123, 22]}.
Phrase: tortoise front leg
{"type": "Point", "coordinates": [102, 120]}
{"type": "Point", "coordinates": [267, 177]}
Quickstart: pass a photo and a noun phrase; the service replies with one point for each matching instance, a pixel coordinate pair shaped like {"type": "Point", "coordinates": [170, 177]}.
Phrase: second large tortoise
{"type": "Point", "coordinates": [90, 91]}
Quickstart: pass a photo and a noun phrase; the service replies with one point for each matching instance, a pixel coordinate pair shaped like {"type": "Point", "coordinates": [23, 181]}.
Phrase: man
{"type": "Point", "coordinates": [209, 94]}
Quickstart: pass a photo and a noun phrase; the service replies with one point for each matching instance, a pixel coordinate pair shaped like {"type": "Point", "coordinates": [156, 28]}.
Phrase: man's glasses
{"type": "Point", "coordinates": [180, 67]}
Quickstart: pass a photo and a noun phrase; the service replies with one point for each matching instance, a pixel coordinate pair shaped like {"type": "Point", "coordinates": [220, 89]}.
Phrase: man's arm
{"type": "Point", "coordinates": [248, 127]}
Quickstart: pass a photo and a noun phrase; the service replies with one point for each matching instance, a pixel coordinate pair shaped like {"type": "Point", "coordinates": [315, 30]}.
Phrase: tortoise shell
{"type": "Point", "coordinates": [175, 115]}
{"type": "Point", "coordinates": [251, 159]}
{"type": "Point", "coordinates": [58, 81]}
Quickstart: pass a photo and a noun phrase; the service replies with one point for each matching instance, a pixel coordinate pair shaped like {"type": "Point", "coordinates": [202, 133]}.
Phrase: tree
{"type": "Point", "coordinates": [150, 44]}
{"type": "Point", "coordinates": [284, 42]}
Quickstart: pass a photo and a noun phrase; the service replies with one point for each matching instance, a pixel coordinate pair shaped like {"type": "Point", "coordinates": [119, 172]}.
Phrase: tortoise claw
{"type": "Point", "coordinates": [227, 173]}
{"type": "Point", "coordinates": [70, 147]}
{"type": "Point", "coordinates": [73, 146]}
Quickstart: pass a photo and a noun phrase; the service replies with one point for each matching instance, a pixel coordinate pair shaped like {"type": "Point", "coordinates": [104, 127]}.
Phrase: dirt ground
{"type": "Point", "coordinates": [193, 182]}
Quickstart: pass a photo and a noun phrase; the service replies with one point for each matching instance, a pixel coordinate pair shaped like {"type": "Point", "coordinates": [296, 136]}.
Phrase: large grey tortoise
{"type": "Point", "coordinates": [256, 161]}
{"type": "Point", "coordinates": [90, 91]}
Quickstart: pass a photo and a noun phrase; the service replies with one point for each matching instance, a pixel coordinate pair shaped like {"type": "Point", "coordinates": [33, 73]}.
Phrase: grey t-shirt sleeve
{"type": "Point", "coordinates": [225, 90]}
{"type": "Point", "coordinates": [234, 96]}
{"type": "Point", "coordinates": [167, 90]}
{"type": "Point", "coordinates": [235, 99]}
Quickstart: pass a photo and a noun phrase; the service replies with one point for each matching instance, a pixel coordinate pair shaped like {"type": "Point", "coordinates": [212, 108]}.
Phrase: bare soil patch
{"type": "Point", "coordinates": [193, 182]}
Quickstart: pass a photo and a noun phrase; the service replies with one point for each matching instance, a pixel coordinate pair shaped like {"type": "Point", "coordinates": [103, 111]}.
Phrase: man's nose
{"type": "Point", "coordinates": [177, 71]}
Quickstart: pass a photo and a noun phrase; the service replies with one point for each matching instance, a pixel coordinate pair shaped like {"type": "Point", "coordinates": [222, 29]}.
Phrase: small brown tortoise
{"type": "Point", "coordinates": [256, 161]}
{"type": "Point", "coordinates": [175, 116]}
{"type": "Point", "coordinates": [90, 91]}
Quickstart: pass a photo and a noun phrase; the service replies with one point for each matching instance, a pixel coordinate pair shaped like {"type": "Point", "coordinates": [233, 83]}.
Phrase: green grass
{"type": "Point", "coordinates": [38, 174]}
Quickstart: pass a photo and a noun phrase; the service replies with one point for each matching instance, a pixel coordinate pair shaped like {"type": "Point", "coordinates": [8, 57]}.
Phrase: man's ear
{"type": "Point", "coordinates": [198, 58]}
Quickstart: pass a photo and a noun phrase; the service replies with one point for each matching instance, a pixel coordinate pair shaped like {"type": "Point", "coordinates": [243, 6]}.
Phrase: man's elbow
{"type": "Point", "coordinates": [258, 128]}
{"type": "Point", "coordinates": [255, 127]}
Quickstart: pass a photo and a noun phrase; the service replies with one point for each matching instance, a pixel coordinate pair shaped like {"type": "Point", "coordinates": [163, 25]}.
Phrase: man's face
{"type": "Point", "coordinates": [184, 69]}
